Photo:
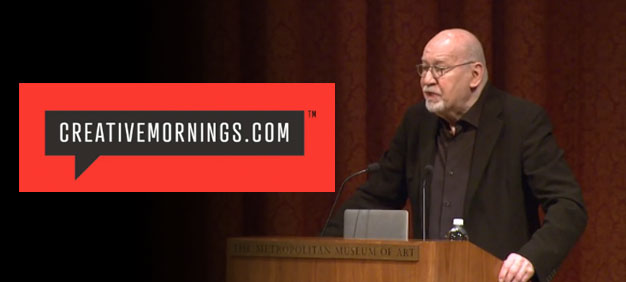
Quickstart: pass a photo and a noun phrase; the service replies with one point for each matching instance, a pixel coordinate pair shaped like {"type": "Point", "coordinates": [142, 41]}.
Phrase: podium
{"type": "Point", "coordinates": [265, 259]}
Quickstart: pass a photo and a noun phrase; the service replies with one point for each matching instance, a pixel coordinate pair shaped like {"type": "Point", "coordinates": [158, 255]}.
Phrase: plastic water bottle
{"type": "Point", "coordinates": [457, 233]}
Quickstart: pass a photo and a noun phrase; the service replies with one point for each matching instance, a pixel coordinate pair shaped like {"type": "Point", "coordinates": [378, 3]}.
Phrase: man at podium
{"type": "Point", "coordinates": [485, 156]}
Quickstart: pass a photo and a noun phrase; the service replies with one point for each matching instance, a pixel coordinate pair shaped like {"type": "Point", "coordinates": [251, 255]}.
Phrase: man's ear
{"type": "Point", "coordinates": [478, 71]}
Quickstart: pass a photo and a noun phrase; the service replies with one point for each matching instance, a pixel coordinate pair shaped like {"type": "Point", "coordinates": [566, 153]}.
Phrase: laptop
{"type": "Point", "coordinates": [376, 224]}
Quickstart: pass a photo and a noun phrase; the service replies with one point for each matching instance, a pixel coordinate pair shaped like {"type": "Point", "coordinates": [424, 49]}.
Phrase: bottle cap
{"type": "Point", "coordinates": [457, 221]}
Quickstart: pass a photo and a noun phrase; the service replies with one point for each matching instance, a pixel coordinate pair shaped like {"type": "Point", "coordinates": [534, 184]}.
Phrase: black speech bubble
{"type": "Point", "coordinates": [289, 142]}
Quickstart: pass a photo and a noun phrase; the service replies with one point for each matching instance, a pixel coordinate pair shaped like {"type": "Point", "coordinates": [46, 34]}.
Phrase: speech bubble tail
{"type": "Point", "coordinates": [82, 162]}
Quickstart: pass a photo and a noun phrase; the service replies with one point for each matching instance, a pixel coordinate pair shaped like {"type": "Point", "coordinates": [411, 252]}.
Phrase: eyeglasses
{"type": "Point", "coordinates": [437, 71]}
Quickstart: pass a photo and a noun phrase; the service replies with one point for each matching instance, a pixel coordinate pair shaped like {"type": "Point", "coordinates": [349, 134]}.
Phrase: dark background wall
{"type": "Point", "coordinates": [567, 56]}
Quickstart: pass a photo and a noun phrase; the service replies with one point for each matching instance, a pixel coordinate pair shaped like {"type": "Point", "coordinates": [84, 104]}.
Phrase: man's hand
{"type": "Point", "coordinates": [516, 268]}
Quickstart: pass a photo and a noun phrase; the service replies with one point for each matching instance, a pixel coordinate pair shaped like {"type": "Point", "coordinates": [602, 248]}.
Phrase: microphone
{"type": "Point", "coordinates": [428, 173]}
{"type": "Point", "coordinates": [373, 167]}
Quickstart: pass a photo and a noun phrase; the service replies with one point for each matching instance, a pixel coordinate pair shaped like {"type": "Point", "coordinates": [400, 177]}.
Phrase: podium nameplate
{"type": "Point", "coordinates": [298, 248]}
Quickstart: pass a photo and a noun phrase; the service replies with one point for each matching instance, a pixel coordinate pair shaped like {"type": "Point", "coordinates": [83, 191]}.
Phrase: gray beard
{"type": "Point", "coordinates": [435, 107]}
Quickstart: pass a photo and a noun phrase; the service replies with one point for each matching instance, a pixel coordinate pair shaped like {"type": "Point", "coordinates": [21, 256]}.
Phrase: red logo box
{"type": "Point", "coordinates": [311, 172]}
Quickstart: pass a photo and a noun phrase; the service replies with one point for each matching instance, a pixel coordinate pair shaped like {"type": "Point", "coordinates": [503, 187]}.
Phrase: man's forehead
{"type": "Point", "coordinates": [440, 49]}
{"type": "Point", "coordinates": [438, 57]}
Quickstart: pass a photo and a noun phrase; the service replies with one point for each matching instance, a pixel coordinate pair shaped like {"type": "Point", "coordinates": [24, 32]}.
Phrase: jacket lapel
{"type": "Point", "coordinates": [488, 133]}
{"type": "Point", "coordinates": [427, 135]}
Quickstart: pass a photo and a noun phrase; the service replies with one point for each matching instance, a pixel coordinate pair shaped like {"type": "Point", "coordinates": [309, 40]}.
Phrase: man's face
{"type": "Point", "coordinates": [450, 92]}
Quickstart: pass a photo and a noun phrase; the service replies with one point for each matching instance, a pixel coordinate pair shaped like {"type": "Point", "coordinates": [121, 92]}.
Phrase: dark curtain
{"type": "Point", "coordinates": [567, 56]}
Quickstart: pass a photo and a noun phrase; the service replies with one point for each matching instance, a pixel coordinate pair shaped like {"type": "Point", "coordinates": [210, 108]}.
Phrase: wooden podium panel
{"type": "Point", "coordinates": [335, 259]}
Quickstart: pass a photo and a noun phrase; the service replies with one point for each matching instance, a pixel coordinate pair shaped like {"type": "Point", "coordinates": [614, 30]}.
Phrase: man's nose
{"type": "Point", "coordinates": [428, 78]}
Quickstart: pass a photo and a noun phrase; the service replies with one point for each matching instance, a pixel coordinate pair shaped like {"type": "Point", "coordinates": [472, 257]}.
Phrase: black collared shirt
{"type": "Point", "coordinates": [451, 171]}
